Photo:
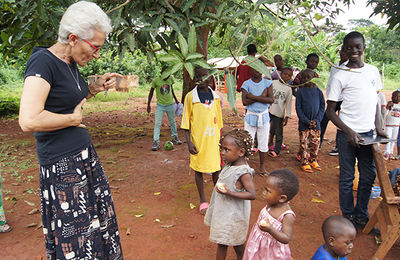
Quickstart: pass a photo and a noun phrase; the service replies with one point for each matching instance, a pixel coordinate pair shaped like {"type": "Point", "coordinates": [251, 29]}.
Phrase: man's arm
{"type": "Point", "coordinates": [149, 100]}
{"type": "Point", "coordinates": [246, 101]}
{"type": "Point", "coordinates": [352, 137]}
{"type": "Point", "coordinates": [266, 97]}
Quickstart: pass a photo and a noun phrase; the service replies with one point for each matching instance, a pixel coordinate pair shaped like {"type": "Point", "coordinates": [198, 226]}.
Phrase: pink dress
{"type": "Point", "coordinates": [261, 245]}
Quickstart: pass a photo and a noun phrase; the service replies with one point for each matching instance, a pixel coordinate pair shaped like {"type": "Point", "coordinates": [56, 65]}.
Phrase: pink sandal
{"type": "Point", "coordinates": [203, 208]}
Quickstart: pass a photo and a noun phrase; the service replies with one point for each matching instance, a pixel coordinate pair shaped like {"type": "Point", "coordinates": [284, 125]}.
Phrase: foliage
{"type": "Point", "coordinates": [134, 63]}
{"type": "Point", "coordinates": [391, 8]}
{"type": "Point", "coordinates": [8, 106]}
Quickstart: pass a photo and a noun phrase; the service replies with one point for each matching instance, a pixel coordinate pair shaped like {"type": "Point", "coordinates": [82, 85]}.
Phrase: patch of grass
{"type": "Point", "coordinates": [391, 84]}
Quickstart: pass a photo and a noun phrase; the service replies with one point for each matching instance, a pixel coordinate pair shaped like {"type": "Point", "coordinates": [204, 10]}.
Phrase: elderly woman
{"type": "Point", "coordinates": [78, 214]}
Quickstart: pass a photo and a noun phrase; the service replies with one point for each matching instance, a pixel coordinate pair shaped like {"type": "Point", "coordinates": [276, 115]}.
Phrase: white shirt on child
{"type": "Point", "coordinates": [393, 116]}
{"type": "Point", "coordinates": [358, 90]}
{"type": "Point", "coordinates": [282, 105]}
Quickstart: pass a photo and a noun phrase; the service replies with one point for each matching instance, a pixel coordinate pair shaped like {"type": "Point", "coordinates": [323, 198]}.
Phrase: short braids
{"type": "Point", "coordinates": [242, 139]}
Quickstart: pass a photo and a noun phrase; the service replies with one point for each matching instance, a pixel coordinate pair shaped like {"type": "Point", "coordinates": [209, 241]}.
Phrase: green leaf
{"type": "Point", "coordinates": [258, 65]}
{"type": "Point", "coordinates": [231, 90]}
{"type": "Point", "coordinates": [183, 45]}
{"type": "Point", "coordinates": [202, 63]}
{"type": "Point", "coordinates": [318, 17]}
{"type": "Point", "coordinates": [170, 58]}
{"type": "Point", "coordinates": [192, 56]}
{"type": "Point", "coordinates": [174, 26]}
{"type": "Point", "coordinates": [130, 41]}
{"type": "Point", "coordinates": [192, 40]}
{"type": "Point", "coordinates": [188, 5]}
{"type": "Point", "coordinates": [190, 69]}
{"type": "Point", "coordinates": [171, 70]}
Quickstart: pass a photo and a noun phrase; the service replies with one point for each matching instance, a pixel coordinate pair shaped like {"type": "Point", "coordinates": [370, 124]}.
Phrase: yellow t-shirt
{"type": "Point", "coordinates": [205, 123]}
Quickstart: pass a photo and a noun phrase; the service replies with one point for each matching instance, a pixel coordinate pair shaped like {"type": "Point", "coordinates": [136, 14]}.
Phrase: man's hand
{"type": "Point", "coordinates": [192, 148]}
{"type": "Point", "coordinates": [285, 121]}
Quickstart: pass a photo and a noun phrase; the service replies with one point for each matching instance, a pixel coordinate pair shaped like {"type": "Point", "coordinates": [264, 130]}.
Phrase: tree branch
{"type": "Point", "coordinates": [118, 7]}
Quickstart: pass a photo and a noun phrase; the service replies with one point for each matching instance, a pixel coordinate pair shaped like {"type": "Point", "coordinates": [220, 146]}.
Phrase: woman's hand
{"type": "Point", "coordinates": [105, 82]}
{"type": "Point", "coordinates": [78, 114]}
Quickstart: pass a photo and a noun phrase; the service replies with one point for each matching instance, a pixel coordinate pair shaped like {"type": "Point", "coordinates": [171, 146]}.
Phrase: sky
{"type": "Point", "coordinates": [359, 10]}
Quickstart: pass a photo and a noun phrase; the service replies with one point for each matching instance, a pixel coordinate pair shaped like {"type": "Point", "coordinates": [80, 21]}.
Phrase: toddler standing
{"type": "Point", "coordinates": [339, 234]}
{"type": "Point", "coordinates": [202, 123]}
{"type": "Point", "coordinates": [270, 236]}
{"type": "Point", "coordinates": [229, 212]}
{"type": "Point", "coordinates": [310, 108]}
{"type": "Point", "coordinates": [392, 123]}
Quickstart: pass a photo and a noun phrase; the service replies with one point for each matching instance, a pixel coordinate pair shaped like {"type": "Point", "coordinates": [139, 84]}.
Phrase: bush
{"type": "Point", "coordinates": [9, 106]}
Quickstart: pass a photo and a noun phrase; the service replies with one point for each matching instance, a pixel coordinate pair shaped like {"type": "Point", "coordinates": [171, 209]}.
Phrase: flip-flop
{"type": "Point", "coordinates": [5, 228]}
{"type": "Point", "coordinates": [306, 168]}
{"type": "Point", "coordinates": [273, 154]}
{"type": "Point", "coordinates": [203, 208]}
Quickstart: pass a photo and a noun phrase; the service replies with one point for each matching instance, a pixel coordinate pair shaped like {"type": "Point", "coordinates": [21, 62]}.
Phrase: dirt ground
{"type": "Point", "coordinates": [153, 191]}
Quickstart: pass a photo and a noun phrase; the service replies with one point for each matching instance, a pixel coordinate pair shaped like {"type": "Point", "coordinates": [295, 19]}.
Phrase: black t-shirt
{"type": "Point", "coordinates": [63, 97]}
{"type": "Point", "coordinates": [205, 97]}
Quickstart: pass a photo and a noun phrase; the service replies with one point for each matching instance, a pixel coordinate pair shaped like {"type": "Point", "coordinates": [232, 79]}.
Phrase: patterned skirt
{"type": "Point", "coordinates": [78, 216]}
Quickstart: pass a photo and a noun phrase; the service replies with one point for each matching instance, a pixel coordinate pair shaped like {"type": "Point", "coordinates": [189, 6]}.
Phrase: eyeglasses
{"type": "Point", "coordinates": [96, 50]}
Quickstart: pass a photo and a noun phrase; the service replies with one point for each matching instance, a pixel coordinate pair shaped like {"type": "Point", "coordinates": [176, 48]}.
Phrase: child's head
{"type": "Point", "coordinates": [279, 62]}
{"type": "Point", "coordinates": [286, 74]}
{"type": "Point", "coordinates": [354, 46]}
{"type": "Point", "coordinates": [342, 55]}
{"type": "Point", "coordinates": [396, 96]}
{"type": "Point", "coordinates": [312, 61]}
{"type": "Point", "coordinates": [251, 49]}
{"type": "Point", "coordinates": [306, 75]}
{"type": "Point", "coordinates": [281, 186]}
{"type": "Point", "coordinates": [236, 144]}
{"type": "Point", "coordinates": [339, 234]}
{"type": "Point", "coordinates": [199, 75]}
{"type": "Point", "coordinates": [255, 74]}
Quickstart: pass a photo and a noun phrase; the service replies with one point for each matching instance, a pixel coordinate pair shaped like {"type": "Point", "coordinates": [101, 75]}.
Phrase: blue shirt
{"type": "Point", "coordinates": [322, 254]}
{"type": "Point", "coordinates": [257, 107]}
{"type": "Point", "coordinates": [310, 105]}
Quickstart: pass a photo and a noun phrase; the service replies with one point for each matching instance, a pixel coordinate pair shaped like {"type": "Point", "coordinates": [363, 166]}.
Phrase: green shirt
{"type": "Point", "coordinates": [163, 90]}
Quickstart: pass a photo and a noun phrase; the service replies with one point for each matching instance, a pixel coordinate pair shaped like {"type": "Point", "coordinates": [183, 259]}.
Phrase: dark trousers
{"type": "Point", "coordinates": [367, 170]}
{"type": "Point", "coordinates": [276, 128]}
{"type": "Point", "coordinates": [325, 121]}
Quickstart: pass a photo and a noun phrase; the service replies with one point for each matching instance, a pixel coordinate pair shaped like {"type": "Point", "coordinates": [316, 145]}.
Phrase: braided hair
{"type": "Point", "coordinates": [242, 139]}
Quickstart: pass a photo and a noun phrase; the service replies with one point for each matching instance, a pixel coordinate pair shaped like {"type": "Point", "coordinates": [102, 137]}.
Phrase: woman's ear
{"type": "Point", "coordinates": [72, 39]}
{"type": "Point", "coordinates": [242, 152]}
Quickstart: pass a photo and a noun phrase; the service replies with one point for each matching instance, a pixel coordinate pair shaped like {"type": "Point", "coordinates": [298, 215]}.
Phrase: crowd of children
{"type": "Point", "coordinates": [268, 108]}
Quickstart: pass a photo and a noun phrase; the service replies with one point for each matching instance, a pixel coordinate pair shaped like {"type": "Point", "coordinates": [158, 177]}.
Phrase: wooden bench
{"type": "Point", "coordinates": [386, 216]}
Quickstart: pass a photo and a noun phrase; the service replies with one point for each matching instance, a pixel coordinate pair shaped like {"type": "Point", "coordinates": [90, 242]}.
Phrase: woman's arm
{"type": "Point", "coordinates": [32, 115]}
{"type": "Point", "coordinates": [266, 97]}
{"type": "Point", "coordinates": [246, 101]}
{"type": "Point", "coordinates": [285, 235]}
{"type": "Point", "coordinates": [248, 184]}
{"type": "Point", "coordinates": [105, 82]}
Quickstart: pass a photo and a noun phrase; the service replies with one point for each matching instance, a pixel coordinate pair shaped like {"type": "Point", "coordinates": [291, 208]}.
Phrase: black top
{"type": "Point", "coordinates": [205, 97]}
{"type": "Point", "coordinates": [63, 97]}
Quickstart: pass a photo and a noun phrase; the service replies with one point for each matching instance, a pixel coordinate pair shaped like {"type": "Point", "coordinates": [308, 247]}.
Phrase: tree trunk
{"type": "Point", "coordinates": [188, 83]}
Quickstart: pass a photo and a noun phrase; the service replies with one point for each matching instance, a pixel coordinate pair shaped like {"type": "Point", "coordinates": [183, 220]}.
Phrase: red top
{"type": "Point", "coordinates": [243, 74]}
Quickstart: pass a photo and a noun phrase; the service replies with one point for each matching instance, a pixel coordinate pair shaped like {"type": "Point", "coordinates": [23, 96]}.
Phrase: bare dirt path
{"type": "Point", "coordinates": [152, 191]}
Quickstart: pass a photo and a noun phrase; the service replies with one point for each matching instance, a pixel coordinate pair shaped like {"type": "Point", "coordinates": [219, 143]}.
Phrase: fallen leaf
{"type": "Point", "coordinates": [139, 215]}
{"type": "Point", "coordinates": [15, 184]}
{"type": "Point", "coordinates": [132, 201]}
{"type": "Point", "coordinates": [337, 167]}
{"type": "Point", "coordinates": [33, 211]}
{"type": "Point", "coordinates": [30, 203]}
{"type": "Point", "coordinates": [157, 193]}
{"type": "Point", "coordinates": [192, 206]}
{"type": "Point", "coordinates": [317, 193]}
{"type": "Point", "coordinates": [377, 240]}
{"type": "Point", "coordinates": [317, 200]}
{"type": "Point", "coordinates": [128, 231]}
{"type": "Point", "coordinates": [39, 226]}
{"type": "Point", "coordinates": [168, 226]}
{"type": "Point", "coordinates": [32, 225]}
{"type": "Point", "coordinates": [114, 187]}
{"type": "Point", "coordinates": [157, 220]}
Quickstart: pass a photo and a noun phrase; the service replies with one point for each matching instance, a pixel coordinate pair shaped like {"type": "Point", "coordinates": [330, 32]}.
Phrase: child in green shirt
{"type": "Point", "coordinates": [165, 103]}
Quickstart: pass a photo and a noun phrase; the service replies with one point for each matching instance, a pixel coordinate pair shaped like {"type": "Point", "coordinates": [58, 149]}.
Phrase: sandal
{"type": "Point", "coordinates": [306, 168]}
{"type": "Point", "coordinates": [272, 147]}
{"type": "Point", "coordinates": [273, 154]}
{"type": "Point", "coordinates": [5, 228]}
{"type": "Point", "coordinates": [315, 165]}
{"type": "Point", "coordinates": [203, 208]}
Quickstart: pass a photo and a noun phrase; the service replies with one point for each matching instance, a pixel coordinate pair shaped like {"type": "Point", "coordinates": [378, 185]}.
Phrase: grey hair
{"type": "Point", "coordinates": [83, 18]}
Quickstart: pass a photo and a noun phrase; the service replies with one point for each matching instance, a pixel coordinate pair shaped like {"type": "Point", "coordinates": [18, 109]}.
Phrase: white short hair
{"type": "Point", "coordinates": [83, 18]}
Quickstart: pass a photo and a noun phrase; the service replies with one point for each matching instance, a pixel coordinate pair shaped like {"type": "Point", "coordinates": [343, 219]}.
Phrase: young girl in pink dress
{"type": "Point", "coordinates": [270, 236]}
